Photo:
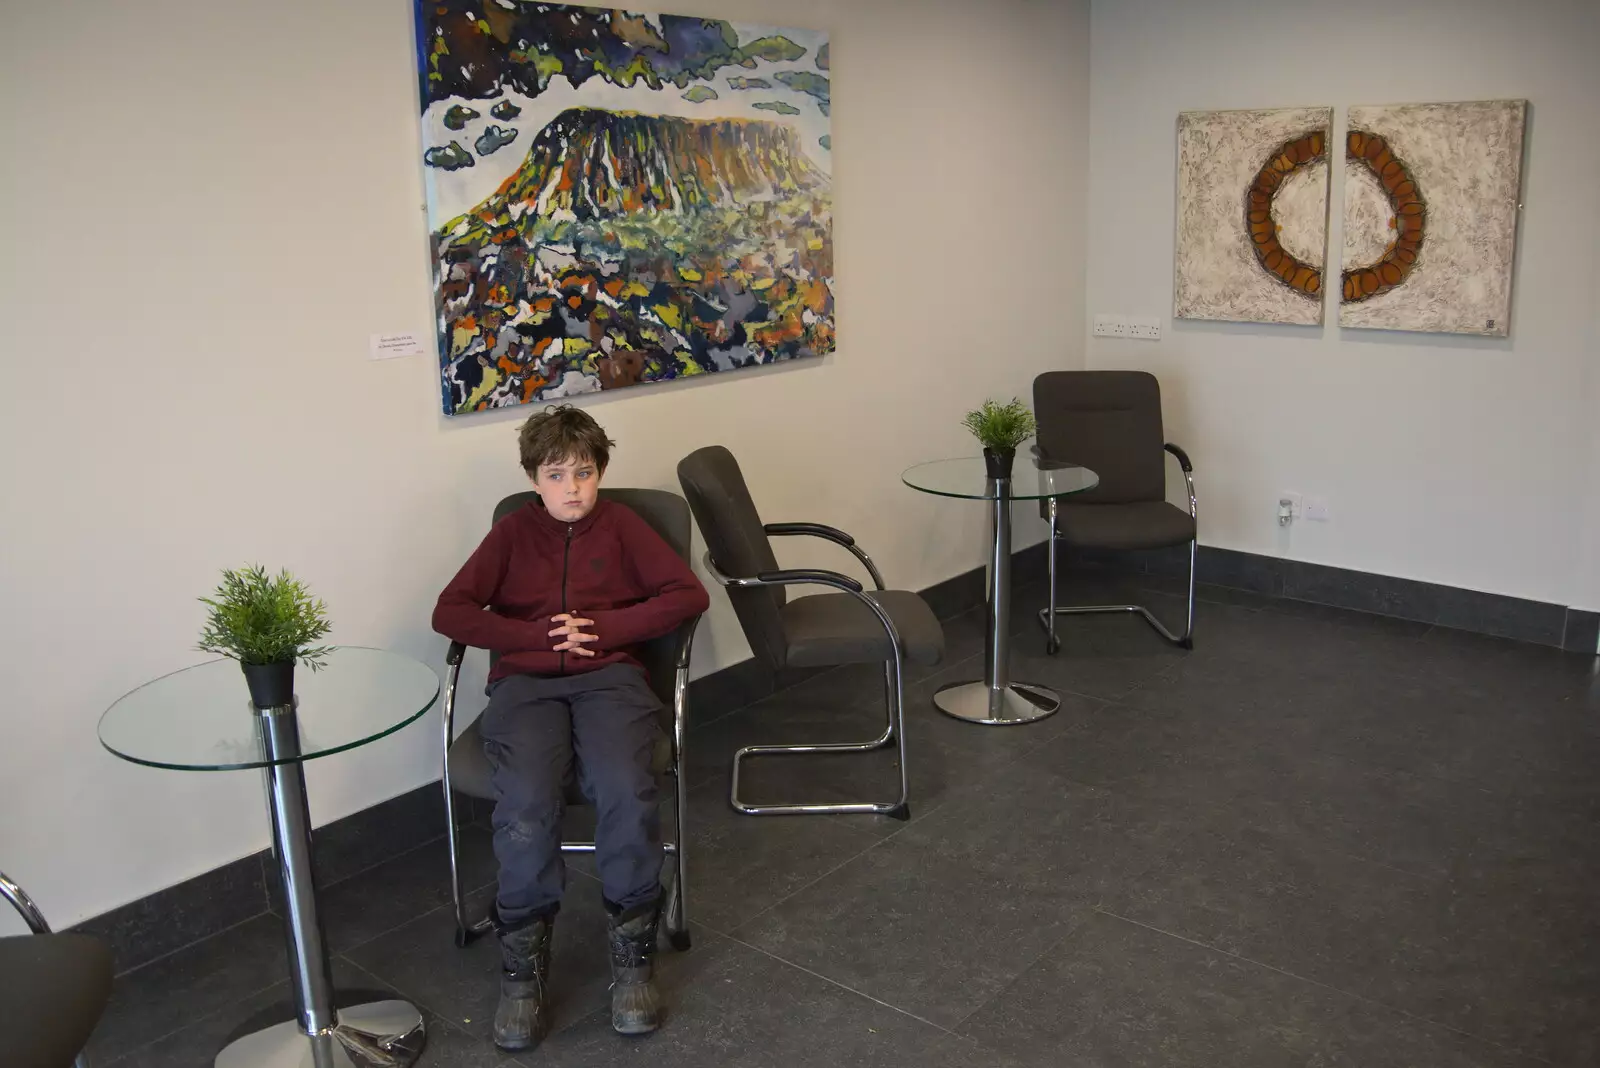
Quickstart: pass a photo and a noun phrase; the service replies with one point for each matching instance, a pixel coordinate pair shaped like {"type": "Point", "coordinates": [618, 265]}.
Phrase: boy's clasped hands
{"type": "Point", "coordinates": [570, 627]}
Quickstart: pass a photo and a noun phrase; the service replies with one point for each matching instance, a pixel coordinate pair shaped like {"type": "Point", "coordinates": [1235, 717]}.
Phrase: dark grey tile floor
{"type": "Point", "coordinates": [1320, 839]}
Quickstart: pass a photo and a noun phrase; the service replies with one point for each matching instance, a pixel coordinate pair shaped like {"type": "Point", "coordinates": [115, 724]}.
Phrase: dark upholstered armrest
{"type": "Point", "coordinates": [801, 575]}
{"type": "Point", "coordinates": [1183, 457]}
{"type": "Point", "coordinates": [815, 530]}
{"type": "Point", "coordinates": [786, 577]}
{"type": "Point", "coordinates": [457, 651]}
{"type": "Point", "coordinates": [833, 534]}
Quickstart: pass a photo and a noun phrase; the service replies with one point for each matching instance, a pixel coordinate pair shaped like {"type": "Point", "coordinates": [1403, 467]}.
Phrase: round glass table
{"type": "Point", "coordinates": [996, 699]}
{"type": "Point", "coordinates": [201, 719]}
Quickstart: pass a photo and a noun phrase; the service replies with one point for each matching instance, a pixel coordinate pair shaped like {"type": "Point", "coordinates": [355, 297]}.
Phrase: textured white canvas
{"type": "Point", "coordinates": [1221, 267]}
{"type": "Point", "coordinates": [1464, 162]}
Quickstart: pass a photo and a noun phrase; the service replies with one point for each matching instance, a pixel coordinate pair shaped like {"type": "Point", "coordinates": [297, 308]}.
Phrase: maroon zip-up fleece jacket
{"type": "Point", "coordinates": [609, 566]}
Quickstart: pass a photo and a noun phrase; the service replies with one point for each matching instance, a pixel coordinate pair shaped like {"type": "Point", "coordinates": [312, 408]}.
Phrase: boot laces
{"type": "Point", "coordinates": [627, 951]}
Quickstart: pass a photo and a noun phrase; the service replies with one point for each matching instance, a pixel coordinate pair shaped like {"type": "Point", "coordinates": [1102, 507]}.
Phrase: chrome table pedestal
{"type": "Point", "coordinates": [995, 699]}
{"type": "Point", "coordinates": [383, 1034]}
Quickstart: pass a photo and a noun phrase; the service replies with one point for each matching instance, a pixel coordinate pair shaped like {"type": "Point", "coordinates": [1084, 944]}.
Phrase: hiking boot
{"type": "Point", "coordinates": [521, 1019]}
{"type": "Point", "coordinates": [635, 1005]}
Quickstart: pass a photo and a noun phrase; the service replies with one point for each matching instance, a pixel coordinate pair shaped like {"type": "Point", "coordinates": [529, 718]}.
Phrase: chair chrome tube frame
{"type": "Point", "coordinates": [894, 686]}
{"type": "Point", "coordinates": [1047, 616]}
{"type": "Point", "coordinates": [24, 905]}
{"type": "Point", "coordinates": [676, 908]}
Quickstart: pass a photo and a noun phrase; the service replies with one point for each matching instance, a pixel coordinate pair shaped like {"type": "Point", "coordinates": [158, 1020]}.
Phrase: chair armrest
{"type": "Point", "coordinates": [815, 530]}
{"type": "Point", "coordinates": [680, 691]}
{"type": "Point", "coordinates": [685, 638]}
{"type": "Point", "coordinates": [800, 575]}
{"type": "Point", "coordinates": [1188, 476]}
{"type": "Point", "coordinates": [457, 651]}
{"type": "Point", "coordinates": [816, 576]}
{"type": "Point", "coordinates": [833, 534]}
{"type": "Point", "coordinates": [787, 577]}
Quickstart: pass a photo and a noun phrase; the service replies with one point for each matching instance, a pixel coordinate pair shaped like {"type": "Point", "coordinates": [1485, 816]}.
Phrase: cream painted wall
{"type": "Point", "coordinates": [210, 208]}
{"type": "Point", "coordinates": [1589, 583]}
{"type": "Point", "coordinates": [1456, 460]}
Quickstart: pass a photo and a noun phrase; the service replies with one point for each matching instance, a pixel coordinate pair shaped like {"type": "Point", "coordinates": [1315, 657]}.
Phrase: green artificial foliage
{"type": "Point", "coordinates": [1001, 427]}
{"type": "Point", "coordinates": [258, 619]}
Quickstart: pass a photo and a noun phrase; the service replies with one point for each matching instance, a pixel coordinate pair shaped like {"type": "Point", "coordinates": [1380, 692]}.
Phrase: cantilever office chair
{"type": "Point", "coordinates": [53, 988]}
{"type": "Point", "coordinates": [850, 626]}
{"type": "Point", "coordinates": [1110, 422]}
{"type": "Point", "coordinates": [467, 769]}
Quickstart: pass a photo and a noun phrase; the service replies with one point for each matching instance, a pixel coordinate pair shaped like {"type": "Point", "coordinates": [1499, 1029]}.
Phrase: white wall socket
{"type": "Point", "coordinates": [1140, 328]}
{"type": "Point", "coordinates": [1317, 509]}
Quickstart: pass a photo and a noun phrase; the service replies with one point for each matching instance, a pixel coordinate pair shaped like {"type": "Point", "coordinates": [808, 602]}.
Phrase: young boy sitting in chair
{"type": "Point", "coordinates": [565, 593]}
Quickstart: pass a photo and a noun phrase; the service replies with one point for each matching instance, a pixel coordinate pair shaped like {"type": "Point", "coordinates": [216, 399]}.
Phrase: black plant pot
{"type": "Point", "coordinates": [270, 685]}
{"type": "Point", "coordinates": [997, 462]}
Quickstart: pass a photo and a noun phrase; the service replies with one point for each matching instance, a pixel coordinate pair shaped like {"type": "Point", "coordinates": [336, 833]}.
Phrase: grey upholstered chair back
{"type": "Point", "coordinates": [668, 515]}
{"type": "Point", "coordinates": [1110, 422]}
{"type": "Point", "coordinates": [737, 541]}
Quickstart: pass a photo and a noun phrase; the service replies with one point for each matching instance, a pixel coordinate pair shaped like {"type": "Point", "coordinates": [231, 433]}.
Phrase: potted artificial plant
{"type": "Point", "coordinates": [266, 624]}
{"type": "Point", "coordinates": [1000, 428]}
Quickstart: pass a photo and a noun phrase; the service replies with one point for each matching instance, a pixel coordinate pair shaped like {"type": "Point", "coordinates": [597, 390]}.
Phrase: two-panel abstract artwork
{"type": "Point", "coordinates": [1431, 201]}
{"type": "Point", "coordinates": [617, 199]}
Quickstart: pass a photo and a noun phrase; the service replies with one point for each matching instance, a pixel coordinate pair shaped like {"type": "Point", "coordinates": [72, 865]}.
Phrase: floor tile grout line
{"type": "Point", "coordinates": [190, 945]}
{"type": "Point", "coordinates": [322, 889]}
{"type": "Point", "coordinates": [842, 986]}
{"type": "Point", "coordinates": [1318, 983]}
{"type": "Point", "coordinates": [127, 1054]}
{"type": "Point", "coordinates": [466, 892]}
{"type": "Point", "coordinates": [804, 887]}
{"type": "Point", "coordinates": [1465, 782]}
{"type": "Point", "coordinates": [1017, 978]}
{"type": "Point", "coordinates": [409, 995]}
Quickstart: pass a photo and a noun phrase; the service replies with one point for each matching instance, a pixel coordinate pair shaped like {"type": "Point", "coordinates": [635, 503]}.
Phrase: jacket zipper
{"type": "Point", "coordinates": [566, 554]}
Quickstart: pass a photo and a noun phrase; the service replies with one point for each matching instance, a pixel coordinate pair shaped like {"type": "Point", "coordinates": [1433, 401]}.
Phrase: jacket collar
{"type": "Point", "coordinates": [551, 523]}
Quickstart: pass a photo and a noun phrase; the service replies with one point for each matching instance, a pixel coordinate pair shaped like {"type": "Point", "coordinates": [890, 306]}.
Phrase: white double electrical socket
{"type": "Point", "coordinates": [1299, 507]}
{"type": "Point", "coordinates": [1141, 329]}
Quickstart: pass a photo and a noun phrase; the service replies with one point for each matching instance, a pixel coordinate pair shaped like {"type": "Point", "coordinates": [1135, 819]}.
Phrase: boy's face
{"type": "Point", "coordinates": [568, 488]}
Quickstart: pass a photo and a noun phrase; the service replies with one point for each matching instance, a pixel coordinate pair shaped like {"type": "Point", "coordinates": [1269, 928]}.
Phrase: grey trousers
{"type": "Point", "coordinates": [536, 732]}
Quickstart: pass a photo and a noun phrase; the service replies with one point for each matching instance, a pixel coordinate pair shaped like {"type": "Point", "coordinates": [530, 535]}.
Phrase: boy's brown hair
{"type": "Point", "coordinates": [562, 433]}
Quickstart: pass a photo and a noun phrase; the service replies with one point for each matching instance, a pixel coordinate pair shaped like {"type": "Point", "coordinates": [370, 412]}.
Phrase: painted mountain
{"type": "Point", "coordinates": [669, 218]}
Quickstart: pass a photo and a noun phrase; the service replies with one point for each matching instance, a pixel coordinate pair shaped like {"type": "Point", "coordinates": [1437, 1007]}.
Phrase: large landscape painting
{"type": "Point", "coordinates": [617, 198]}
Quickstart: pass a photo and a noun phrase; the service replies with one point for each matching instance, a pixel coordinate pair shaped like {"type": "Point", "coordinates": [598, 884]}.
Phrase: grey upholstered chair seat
{"type": "Point", "coordinates": [470, 771]}
{"type": "Point", "coordinates": [836, 628]}
{"type": "Point", "coordinates": [1135, 525]}
{"type": "Point", "coordinates": [53, 988]}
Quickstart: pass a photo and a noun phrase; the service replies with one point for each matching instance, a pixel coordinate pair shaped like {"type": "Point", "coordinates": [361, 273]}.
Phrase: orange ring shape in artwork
{"type": "Point", "coordinates": [1262, 226]}
{"type": "Point", "coordinates": [1410, 218]}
